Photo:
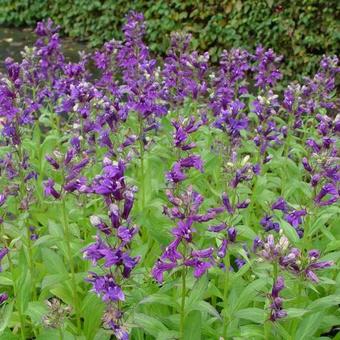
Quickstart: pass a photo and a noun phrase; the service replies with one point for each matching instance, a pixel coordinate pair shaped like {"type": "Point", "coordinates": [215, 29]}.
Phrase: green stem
{"type": "Point", "coordinates": [17, 300]}
{"type": "Point", "coordinates": [60, 334]}
{"type": "Point", "coordinates": [267, 328]}
{"type": "Point", "coordinates": [22, 190]}
{"type": "Point", "coordinates": [225, 295]}
{"type": "Point", "coordinates": [67, 235]}
{"type": "Point", "coordinates": [141, 151]}
{"type": "Point", "coordinates": [182, 315]}
{"type": "Point", "coordinates": [275, 271]}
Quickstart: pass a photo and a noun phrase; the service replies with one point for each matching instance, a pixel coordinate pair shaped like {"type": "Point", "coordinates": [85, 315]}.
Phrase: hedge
{"type": "Point", "coordinates": [301, 29]}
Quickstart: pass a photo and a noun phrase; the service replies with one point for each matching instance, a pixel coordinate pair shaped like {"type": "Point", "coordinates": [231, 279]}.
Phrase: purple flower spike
{"type": "Point", "coordinates": [276, 311]}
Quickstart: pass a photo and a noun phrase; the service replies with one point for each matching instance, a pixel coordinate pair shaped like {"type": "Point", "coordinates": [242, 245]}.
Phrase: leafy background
{"type": "Point", "coordinates": [302, 30]}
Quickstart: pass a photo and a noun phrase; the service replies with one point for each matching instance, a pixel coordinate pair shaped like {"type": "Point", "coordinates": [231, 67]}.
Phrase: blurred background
{"type": "Point", "coordinates": [302, 30]}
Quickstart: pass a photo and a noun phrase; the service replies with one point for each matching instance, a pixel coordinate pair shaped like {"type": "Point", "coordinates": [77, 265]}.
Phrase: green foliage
{"type": "Point", "coordinates": [302, 30]}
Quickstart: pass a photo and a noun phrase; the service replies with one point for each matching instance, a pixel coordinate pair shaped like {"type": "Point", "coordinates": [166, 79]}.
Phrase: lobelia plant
{"type": "Point", "coordinates": [239, 241]}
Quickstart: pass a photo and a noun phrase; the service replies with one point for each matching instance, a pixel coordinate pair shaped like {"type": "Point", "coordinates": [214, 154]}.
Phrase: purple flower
{"type": "Point", "coordinates": [306, 165]}
{"type": "Point", "coordinates": [280, 204]}
{"type": "Point", "coordinates": [2, 199]}
{"type": "Point", "coordinates": [161, 267]}
{"type": "Point", "coordinates": [222, 250]}
{"type": "Point", "coordinates": [192, 161]}
{"type": "Point", "coordinates": [126, 234]}
{"type": "Point", "coordinates": [3, 298]}
{"type": "Point", "coordinates": [217, 228]}
{"type": "Point", "coordinates": [267, 72]}
{"type": "Point", "coordinates": [200, 267]}
{"type": "Point", "coordinates": [227, 204]}
{"type": "Point", "coordinates": [310, 269]}
{"type": "Point", "coordinates": [3, 253]}
{"type": "Point", "coordinates": [276, 311]}
{"type": "Point", "coordinates": [95, 251]}
{"type": "Point", "coordinates": [106, 287]}
{"type": "Point", "coordinates": [52, 161]}
{"type": "Point", "coordinates": [295, 217]}
{"type": "Point", "coordinates": [268, 224]}
{"type": "Point", "coordinates": [232, 233]}
{"type": "Point", "coordinates": [240, 263]}
{"type": "Point", "coordinates": [176, 174]}
{"type": "Point", "coordinates": [203, 253]}
{"type": "Point", "coordinates": [328, 189]}
{"type": "Point", "coordinates": [49, 189]}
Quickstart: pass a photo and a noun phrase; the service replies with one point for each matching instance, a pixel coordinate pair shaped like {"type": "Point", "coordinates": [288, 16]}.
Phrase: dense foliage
{"type": "Point", "coordinates": [301, 30]}
{"type": "Point", "coordinates": [170, 199]}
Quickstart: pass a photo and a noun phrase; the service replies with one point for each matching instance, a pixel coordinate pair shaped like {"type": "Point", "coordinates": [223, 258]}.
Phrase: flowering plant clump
{"type": "Point", "coordinates": [167, 198]}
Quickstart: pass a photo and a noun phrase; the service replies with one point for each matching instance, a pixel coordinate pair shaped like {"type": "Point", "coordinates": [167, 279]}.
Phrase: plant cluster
{"type": "Point", "coordinates": [170, 199]}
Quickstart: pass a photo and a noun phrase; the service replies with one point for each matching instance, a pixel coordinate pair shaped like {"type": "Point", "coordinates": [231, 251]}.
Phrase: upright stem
{"type": "Point", "coordinates": [225, 295]}
{"type": "Point", "coordinates": [17, 300]}
{"type": "Point", "coordinates": [182, 315]}
{"type": "Point", "coordinates": [275, 271]}
{"type": "Point", "coordinates": [141, 151]}
{"type": "Point", "coordinates": [22, 190]}
{"type": "Point", "coordinates": [70, 259]}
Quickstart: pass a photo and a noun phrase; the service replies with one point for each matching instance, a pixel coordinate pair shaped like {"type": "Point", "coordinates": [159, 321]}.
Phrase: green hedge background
{"type": "Point", "coordinates": [301, 30]}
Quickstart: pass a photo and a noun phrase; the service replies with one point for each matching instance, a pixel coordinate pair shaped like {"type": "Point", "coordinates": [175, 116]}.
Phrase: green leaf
{"type": "Point", "coordinates": [5, 312]}
{"type": "Point", "coordinates": [289, 231]}
{"type": "Point", "coordinates": [197, 292]}
{"type": "Point", "coordinates": [162, 299]}
{"type": "Point", "coordinates": [36, 310]}
{"type": "Point", "coordinates": [295, 312]}
{"type": "Point", "coordinates": [250, 290]}
{"type": "Point", "coordinates": [92, 311]}
{"type": "Point", "coordinates": [256, 315]}
{"type": "Point", "coordinates": [192, 326]}
{"type": "Point", "coordinates": [149, 324]}
{"type": "Point", "coordinates": [53, 261]}
{"type": "Point", "coordinates": [308, 326]}
{"type": "Point", "coordinates": [324, 302]}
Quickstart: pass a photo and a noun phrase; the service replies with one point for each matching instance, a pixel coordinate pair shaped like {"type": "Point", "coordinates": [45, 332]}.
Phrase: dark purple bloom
{"type": "Point", "coordinates": [161, 267]}
{"type": "Point", "coordinates": [276, 311]}
{"type": "Point", "coordinates": [49, 189]}
{"type": "Point", "coordinates": [280, 204]}
{"type": "Point", "coordinates": [268, 224]}
{"type": "Point", "coordinates": [126, 234]}
{"type": "Point", "coordinates": [240, 263]}
{"type": "Point", "coordinates": [203, 253]}
{"type": "Point", "coordinates": [328, 189]}
{"type": "Point", "coordinates": [52, 161]}
{"type": "Point", "coordinates": [217, 228]}
{"type": "Point", "coordinates": [106, 287]}
{"type": "Point", "coordinates": [227, 204]}
{"type": "Point", "coordinates": [192, 161]}
{"type": "Point", "coordinates": [244, 204]}
{"type": "Point", "coordinates": [2, 199]}
{"type": "Point", "coordinates": [232, 233]}
{"type": "Point", "coordinates": [310, 270]}
{"type": "Point", "coordinates": [3, 298]}
{"type": "Point", "coordinates": [295, 217]}
{"type": "Point", "coordinates": [222, 250]}
{"type": "Point", "coordinates": [95, 251]}
{"type": "Point", "coordinates": [200, 267]}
